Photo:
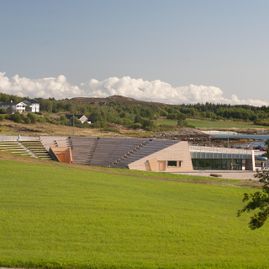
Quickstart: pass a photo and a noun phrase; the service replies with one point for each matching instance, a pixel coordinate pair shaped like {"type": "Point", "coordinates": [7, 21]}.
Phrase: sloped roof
{"type": "Point", "coordinates": [5, 104]}
{"type": "Point", "coordinates": [115, 152]}
{"type": "Point", "coordinates": [29, 102]}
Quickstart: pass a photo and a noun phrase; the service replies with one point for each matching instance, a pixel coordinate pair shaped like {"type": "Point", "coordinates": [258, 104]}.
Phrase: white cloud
{"type": "Point", "coordinates": [157, 91]}
{"type": "Point", "coordinates": [57, 87]}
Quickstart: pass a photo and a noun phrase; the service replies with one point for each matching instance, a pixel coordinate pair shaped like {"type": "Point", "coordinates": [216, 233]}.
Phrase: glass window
{"type": "Point", "coordinates": [172, 163]}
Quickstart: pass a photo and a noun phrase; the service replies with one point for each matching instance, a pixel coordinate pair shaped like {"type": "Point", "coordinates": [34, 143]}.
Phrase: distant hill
{"type": "Point", "coordinates": [111, 99]}
{"type": "Point", "coordinates": [117, 112]}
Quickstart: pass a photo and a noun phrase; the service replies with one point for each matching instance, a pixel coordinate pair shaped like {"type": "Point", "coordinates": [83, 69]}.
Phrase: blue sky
{"type": "Point", "coordinates": [209, 42]}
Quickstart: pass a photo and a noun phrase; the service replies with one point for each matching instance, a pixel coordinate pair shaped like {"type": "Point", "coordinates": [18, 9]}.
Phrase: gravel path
{"type": "Point", "coordinates": [243, 175]}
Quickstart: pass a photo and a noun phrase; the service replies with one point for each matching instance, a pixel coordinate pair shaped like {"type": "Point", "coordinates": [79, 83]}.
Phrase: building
{"type": "Point", "coordinates": [80, 117]}
{"type": "Point", "coordinates": [31, 106]}
{"type": "Point", "coordinates": [160, 155]}
{"type": "Point", "coordinates": [219, 158]}
{"type": "Point", "coordinates": [146, 154]}
{"type": "Point", "coordinates": [7, 107]}
{"type": "Point", "coordinates": [83, 119]}
{"type": "Point", "coordinates": [20, 107]}
{"type": "Point", "coordinates": [26, 105]}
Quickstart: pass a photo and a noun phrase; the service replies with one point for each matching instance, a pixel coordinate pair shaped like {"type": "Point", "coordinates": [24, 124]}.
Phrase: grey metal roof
{"type": "Point", "coordinates": [29, 102]}
{"type": "Point", "coordinates": [5, 104]}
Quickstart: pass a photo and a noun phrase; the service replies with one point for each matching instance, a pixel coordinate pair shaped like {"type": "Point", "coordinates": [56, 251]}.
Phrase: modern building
{"type": "Point", "coordinates": [146, 154]}
{"type": "Point", "coordinates": [219, 158]}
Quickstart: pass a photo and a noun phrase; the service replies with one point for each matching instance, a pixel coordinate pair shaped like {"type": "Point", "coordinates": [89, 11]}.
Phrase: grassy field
{"type": "Point", "coordinates": [12, 128]}
{"type": "Point", "coordinates": [212, 124]}
{"type": "Point", "coordinates": [222, 124]}
{"type": "Point", "coordinates": [53, 215]}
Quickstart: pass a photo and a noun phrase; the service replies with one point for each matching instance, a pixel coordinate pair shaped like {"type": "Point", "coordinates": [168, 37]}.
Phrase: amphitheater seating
{"type": "Point", "coordinates": [14, 147]}
{"type": "Point", "coordinates": [55, 141]}
{"type": "Point", "coordinates": [109, 152]}
{"type": "Point", "coordinates": [110, 149]}
{"type": "Point", "coordinates": [148, 147]}
{"type": "Point", "coordinates": [82, 149]}
{"type": "Point", "coordinates": [114, 152]}
{"type": "Point", "coordinates": [37, 149]}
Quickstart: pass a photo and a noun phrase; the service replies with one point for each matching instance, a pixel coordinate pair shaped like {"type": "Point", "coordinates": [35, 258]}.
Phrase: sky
{"type": "Point", "coordinates": [174, 51]}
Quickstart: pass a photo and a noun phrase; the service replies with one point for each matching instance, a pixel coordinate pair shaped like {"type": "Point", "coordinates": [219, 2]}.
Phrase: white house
{"type": "Point", "coordinates": [84, 119]}
{"type": "Point", "coordinates": [27, 105]}
{"type": "Point", "coordinates": [20, 107]}
{"type": "Point", "coordinates": [32, 106]}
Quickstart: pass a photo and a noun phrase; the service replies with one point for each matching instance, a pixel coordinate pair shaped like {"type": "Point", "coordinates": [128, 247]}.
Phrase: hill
{"type": "Point", "coordinates": [118, 114]}
{"type": "Point", "coordinates": [57, 216]}
{"type": "Point", "coordinates": [114, 98]}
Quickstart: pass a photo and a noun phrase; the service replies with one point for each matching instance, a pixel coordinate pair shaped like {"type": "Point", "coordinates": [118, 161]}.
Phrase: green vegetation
{"type": "Point", "coordinates": [133, 114]}
{"type": "Point", "coordinates": [258, 202]}
{"type": "Point", "coordinates": [52, 215]}
{"type": "Point", "coordinates": [166, 122]}
{"type": "Point", "coordinates": [222, 124]}
{"type": "Point", "coordinates": [211, 124]}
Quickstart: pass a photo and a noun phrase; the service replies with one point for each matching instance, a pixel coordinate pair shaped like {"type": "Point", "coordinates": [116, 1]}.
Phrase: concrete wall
{"type": "Point", "coordinates": [62, 154]}
{"type": "Point", "coordinates": [158, 161]}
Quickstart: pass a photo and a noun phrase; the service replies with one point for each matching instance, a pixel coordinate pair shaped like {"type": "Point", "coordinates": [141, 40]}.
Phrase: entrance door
{"type": "Point", "coordinates": [162, 165]}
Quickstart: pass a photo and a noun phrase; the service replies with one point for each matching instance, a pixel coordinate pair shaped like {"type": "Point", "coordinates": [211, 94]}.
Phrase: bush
{"type": "Point", "coordinates": [16, 117]}
{"type": "Point", "coordinates": [2, 117]}
{"type": "Point", "coordinates": [110, 129]}
{"type": "Point", "coordinates": [136, 125]}
{"type": "Point", "coordinates": [31, 118]}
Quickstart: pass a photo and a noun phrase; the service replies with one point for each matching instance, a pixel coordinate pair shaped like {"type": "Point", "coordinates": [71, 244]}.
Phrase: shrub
{"type": "Point", "coordinates": [31, 118]}
{"type": "Point", "coordinates": [16, 117]}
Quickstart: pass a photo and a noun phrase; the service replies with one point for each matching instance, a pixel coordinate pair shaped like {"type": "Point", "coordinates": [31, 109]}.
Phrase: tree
{"type": "Point", "coordinates": [181, 120]}
{"type": "Point", "coordinates": [258, 201]}
{"type": "Point", "coordinates": [267, 147]}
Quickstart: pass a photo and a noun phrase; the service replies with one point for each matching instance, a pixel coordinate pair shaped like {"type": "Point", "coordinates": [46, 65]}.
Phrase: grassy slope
{"type": "Point", "coordinates": [222, 124]}
{"type": "Point", "coordinates": [66, 216]}
{"type": "Point", "coordinates": [213, 124]}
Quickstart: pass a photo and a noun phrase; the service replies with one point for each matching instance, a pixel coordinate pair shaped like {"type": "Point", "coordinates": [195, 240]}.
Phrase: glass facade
{"type": "Point", "coordinates": [218, 155]}
{"type": "Point", "coordinates": [217, 164]}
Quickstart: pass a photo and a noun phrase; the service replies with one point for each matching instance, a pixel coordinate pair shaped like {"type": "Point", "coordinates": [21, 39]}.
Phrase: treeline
{"type": "Point", "coordinates": [137, 114]}
{"type": "Point", "coordinates": [221, 111]}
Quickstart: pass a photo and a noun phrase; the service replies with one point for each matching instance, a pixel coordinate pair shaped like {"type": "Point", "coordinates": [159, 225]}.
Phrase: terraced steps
{"type": "Point", "coordinates": [37, 149]}
{"type": "Point", "coordinates": [14, 147]}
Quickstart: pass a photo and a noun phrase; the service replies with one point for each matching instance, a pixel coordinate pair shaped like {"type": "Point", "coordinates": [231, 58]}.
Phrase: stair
{"type": "Point", "coordinates": [92, 150]}
{"type": "Point", "coordinates": [82, 149]}
{"type": "Point", "coordinates": [14, 147]}
{"type": "Point", "coordinates": [129, 153]}
{"type": "Point", "coordinates": [37, 149]}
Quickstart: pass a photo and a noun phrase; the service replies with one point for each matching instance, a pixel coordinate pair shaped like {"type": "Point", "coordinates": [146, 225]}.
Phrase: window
{"type": "Point", "coordinates": [172, 163]}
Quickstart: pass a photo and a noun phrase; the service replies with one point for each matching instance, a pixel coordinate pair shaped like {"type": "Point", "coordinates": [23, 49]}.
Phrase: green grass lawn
{"type": "Point", "coordinates": [212, 124]}
{"type": "Point", "coordinates": [166, 122]}
{"type": "Point", "coordinates": [54, 215]}
{"type": "Point", "coordinates": [222, 124]}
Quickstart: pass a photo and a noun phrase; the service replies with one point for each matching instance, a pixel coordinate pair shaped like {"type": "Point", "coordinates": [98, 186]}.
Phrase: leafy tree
{"type": "Point", "coordinates": [258, 202]}
{"type": "Point", "coordinates": [31, 117]}
{"type": "Point", "coordinates": [267, 149]}
{"type": "Point", "coordinates": [181, 120]}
